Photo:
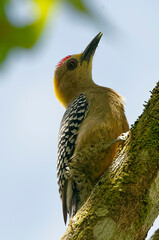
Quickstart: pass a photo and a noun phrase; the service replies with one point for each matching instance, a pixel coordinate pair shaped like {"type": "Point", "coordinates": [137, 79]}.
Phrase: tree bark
{"type": "Point", "coordinates": [125, 202]}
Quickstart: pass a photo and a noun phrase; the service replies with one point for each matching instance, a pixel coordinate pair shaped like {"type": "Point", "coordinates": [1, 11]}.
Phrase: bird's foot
{"type": "Point", "coordinates": [123, 136]}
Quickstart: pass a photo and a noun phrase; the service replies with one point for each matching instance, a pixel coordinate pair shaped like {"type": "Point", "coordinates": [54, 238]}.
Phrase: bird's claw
{"type": "Point", "coordinates": [123, 136]}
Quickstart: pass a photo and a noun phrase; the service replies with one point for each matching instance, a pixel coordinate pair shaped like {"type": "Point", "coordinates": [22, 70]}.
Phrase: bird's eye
{"type": "Point", "coordinates": [72, 64]}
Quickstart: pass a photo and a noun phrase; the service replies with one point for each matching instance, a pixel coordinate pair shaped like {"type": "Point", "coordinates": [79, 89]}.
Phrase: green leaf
{"type": "Point", "coordinates": [12, 36]}
{"type": "Point", "coordinates": [78, 5]}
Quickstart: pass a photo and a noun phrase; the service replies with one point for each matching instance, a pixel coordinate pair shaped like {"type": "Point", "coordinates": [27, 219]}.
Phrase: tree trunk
{"type": "Point", "coordinates": [125, 202]}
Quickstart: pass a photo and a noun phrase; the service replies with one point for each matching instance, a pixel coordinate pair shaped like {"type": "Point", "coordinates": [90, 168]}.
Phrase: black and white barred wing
{"type": "Point", "coordinates": [69, 127]}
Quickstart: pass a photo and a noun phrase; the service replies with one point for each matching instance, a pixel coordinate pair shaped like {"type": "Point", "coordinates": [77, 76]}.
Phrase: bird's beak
{"type": "Point", "coordinates": [90, 49]}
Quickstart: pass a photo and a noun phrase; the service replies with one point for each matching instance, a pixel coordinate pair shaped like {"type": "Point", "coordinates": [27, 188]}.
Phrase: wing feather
{"type": "Point", "coordinates": [69, 128]}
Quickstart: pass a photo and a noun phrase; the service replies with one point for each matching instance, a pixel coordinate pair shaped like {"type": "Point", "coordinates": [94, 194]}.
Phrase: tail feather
{"type": "Point", "coordinates": [69, 199]}
{"type": "Point", "coordinates": [73, 206]}
{"type": "Point", "coordinates": [64, 207]}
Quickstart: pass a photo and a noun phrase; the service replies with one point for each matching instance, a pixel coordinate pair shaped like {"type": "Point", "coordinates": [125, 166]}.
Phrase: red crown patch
{"type": "Point", "coordinates": [62, 61]}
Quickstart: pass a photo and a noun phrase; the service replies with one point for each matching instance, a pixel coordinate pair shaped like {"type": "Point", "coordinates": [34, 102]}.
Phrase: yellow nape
{"type": "Point", "coordinates": [57, 93]}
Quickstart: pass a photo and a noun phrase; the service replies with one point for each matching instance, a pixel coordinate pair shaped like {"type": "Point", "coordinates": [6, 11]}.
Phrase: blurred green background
{"type": "Point", "coordinates": [34, 36]}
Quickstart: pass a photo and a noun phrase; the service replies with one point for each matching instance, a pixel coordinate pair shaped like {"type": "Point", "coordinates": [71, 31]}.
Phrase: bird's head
{"type": "Point", "coordinates": [73, 73]}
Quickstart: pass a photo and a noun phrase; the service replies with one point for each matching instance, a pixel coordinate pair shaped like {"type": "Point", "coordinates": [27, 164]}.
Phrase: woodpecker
{"type": "Point", "coordinates": [93, 120]}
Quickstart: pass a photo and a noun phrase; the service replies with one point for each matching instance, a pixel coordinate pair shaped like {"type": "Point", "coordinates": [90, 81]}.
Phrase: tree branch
{"type": "Point", "coordinates": [125, 201]}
